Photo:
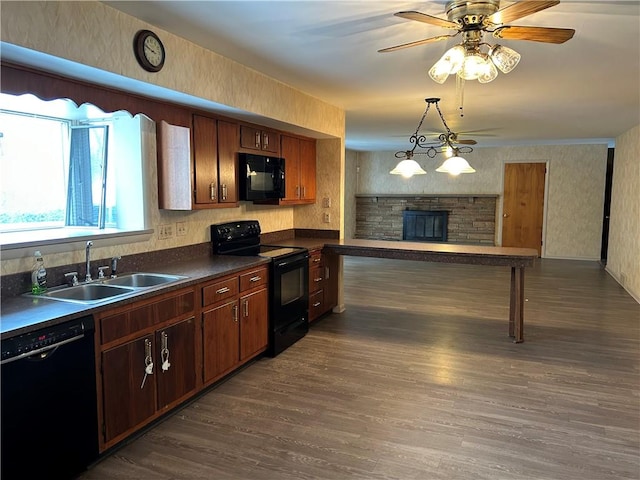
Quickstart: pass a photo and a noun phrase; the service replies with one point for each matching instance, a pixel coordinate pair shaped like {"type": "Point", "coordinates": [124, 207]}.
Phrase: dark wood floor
{"type": "Point", "coordinates": [419, 380]}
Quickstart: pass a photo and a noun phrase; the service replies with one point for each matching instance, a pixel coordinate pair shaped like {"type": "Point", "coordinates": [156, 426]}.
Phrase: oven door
{"type": "Point", "coordinates": [290, 294]}
{"type": "Point", "coordinates": [289, 302]}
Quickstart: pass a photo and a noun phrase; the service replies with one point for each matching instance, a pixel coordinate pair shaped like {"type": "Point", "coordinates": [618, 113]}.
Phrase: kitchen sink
{"type": "Point", "coordinates": [108, 288]}
{"type": "Point", "coordinates": [86, 293]}
{"type": "Point", "coordinates": [142, 280]}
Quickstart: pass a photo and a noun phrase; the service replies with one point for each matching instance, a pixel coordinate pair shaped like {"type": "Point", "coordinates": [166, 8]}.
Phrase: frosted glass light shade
{"type": "Point", "coordinates": [408, 168]}
{"type": "Point", "coordinates": [504, 58]}
{"type": "Point", "coordinates": [449, 63]}
{"type": "Point", "coordinates": [472, 66]}
{"type": "Point", "coordinates": [488, 72]}
{"type": "Point", "coordinates": [455, 166]}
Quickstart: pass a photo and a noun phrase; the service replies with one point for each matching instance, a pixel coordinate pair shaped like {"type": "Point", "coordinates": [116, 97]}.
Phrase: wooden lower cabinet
{"type": "Point", "coordinates": [323, 285]}
{"type": "Point", "coordinates": [147, 363]}
{"type": "Point", "coordinates": [234, 322]}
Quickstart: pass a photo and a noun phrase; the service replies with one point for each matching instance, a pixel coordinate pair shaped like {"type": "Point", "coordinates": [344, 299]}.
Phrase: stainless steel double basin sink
{"type": "Point", "coordinates": [108, 288]}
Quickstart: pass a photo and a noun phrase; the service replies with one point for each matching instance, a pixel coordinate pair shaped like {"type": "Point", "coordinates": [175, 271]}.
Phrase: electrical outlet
{"type": "Point", "coordinates": [326, 202]}
{"type": "Point", "coordinates": [165, 232]}
{"type": "Point", "coordinates": [326, 218]}
{"type": "Point", "coordinates": [181, 229]}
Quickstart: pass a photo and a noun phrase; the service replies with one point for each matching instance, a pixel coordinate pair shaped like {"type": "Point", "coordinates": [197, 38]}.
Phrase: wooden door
{"type": "Point", "coordinates": [205, 161]}
{"type": "Point", "coordinates": [523, 205]}
{"type": "Point", "coordinates": [221, 340]}
{"type": "Point", "coordinates": [253, 323]}
{"type": "Point", "coordinates": [290, 148]}
{"type": "Point", "coordinates": [308, 170]}
{"type": "Point", "coordinates": [227, 161]}
{"type": "Point", "coordinates": [127, 401]}
{"type": "Point", "coordinates": [179, 378]}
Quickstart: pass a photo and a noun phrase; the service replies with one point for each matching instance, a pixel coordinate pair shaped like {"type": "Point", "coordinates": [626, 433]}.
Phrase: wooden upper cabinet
{"type": "Point", "coordinates": [228, 134]}
{"type": "Point", "coordinates": [202, 177]}
{"type": "Point", "coordinates": [266, 141]}
{"type": "Point", "coordinates": [300, 170]}
{"type": "Point", "coordinates": [205, 159]}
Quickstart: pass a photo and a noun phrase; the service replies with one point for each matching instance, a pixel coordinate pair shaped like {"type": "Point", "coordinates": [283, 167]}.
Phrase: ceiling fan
{"type": "Point", "coordinates": [474, 18]}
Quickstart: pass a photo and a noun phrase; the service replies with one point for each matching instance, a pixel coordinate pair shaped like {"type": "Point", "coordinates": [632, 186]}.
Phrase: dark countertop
{"type": "Point", "coordinates": [310, 243]}
{"type": "Point", "coordinates": [23, 314]}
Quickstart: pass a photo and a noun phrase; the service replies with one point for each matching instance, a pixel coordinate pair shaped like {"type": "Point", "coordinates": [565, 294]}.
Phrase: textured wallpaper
{"type": "Point", "coordinates": [573, 213]}
{"type": "Point", "coordinates": [623, 260]}
{"type": "Point", "coordinates": [91, 33]}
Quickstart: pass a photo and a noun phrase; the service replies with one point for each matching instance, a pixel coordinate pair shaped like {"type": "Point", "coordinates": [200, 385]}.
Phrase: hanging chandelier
{"type": "Point", "coordinates": [447, 144]}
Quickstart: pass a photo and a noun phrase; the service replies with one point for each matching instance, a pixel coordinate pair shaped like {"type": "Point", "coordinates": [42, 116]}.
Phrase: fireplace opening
{"type": "Point", "coordinates": [424, 225]}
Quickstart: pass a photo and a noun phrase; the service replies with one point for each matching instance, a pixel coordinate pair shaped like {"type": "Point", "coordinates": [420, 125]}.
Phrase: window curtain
{"type": "Point", "coordinates": [79, 195]}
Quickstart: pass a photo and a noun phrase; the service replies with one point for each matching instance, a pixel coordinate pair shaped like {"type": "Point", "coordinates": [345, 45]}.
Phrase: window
{"type": "Point", "coordinates": [68, 171]}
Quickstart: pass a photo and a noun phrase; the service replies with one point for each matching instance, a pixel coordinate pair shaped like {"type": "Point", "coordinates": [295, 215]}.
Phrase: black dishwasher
{"type": "Point", "coordinates": [49, 423]}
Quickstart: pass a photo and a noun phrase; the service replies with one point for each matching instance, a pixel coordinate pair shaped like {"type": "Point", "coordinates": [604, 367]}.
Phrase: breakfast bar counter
{"type": "Point", "coordinates": [516, 258]}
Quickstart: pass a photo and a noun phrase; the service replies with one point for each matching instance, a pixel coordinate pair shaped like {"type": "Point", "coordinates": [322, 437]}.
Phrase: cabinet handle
{"type": "Point", "coordinates": [246, 308]}
{"type": "Point", "coordinates": [148, 361]}
{"type": "Point", "coordinates": [317, 304]}
{"type": "Point", "coordinates": [318, 279]}
{"type": "Point", "coordinates": [257, 139]}
{"type": "Point", "coordinates": [224, 191]}
{"type": "Point", "coordinates": [212, 191]}
{"type": "Point", "coordinates": [297, 191]}
{"type": "Point", "coordinates": [326, 272]}
{"type": "Point", "coordinates": [222, 290]}
{"type": "Point", "coordinates": [235, 313]}
{"type": "Point", "coordinates": [164, 352]}
{"type": "Point", "coordinates": [304, 191]}
{"type": "Point", "coordinates": [316, 260]}
{"type": "Point", "coordinates": [257, 278]}
{"type": "Point", "coordinates": [265, 140]}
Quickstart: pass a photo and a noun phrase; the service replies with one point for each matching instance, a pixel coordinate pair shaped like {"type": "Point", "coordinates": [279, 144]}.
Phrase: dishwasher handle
{"type": "Point", "coordinates": [43, 353]}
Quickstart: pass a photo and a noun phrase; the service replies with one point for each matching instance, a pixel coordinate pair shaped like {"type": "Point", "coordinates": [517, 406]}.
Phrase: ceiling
{"type": "Point", "coordinates": [585, 90]}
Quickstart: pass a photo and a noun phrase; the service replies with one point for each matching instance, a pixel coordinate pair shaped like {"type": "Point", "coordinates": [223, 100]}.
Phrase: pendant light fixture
{"type": "Point", "coordinates": [447, 144]}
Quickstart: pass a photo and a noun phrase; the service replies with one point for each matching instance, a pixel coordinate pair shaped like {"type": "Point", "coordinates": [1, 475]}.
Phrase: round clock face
{"type": "Point", "coordinates": [149, 51]}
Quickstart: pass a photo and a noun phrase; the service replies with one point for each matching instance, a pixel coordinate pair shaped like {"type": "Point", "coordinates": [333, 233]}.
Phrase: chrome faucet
{"type": "Point", "coordinates": [114, 266]}
{"type": "Point", "coordinates": [88, 258]}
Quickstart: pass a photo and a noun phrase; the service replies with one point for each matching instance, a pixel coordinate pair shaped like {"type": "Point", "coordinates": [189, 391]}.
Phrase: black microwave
{"type": "Point", "coordinates": [261, 177]}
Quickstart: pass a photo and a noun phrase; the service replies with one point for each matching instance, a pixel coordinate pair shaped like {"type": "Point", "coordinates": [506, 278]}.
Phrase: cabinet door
{"type": "Point", "coordinates": [221, 340]}
{"type": "Point", "coordinates": [127, 400]}
{"type": "Point", "coordinates": [270, 142]}
{"type": "Point", "coordinates": [250, 138]}
{"type": "Point", "coordinates": [308, 171]}
{"type": "Point", "coordinates": [227, 161]}
{"type": "Point", "coordinates": [253, 323]}
{"type": "Point", "coordinates": [175, 362]}
{"type": "Point", "coordinates": [290, 148]}
{"type": "Point", "coordinates": [205, 161]}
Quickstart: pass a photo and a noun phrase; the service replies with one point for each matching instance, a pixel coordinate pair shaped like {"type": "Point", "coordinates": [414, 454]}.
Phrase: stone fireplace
{"type": "Point", "coordinates": [471, 219]}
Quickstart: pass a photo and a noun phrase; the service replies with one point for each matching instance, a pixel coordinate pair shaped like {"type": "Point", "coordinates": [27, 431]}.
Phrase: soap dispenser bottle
{"type": "Point", "coordinates": [38, 275]}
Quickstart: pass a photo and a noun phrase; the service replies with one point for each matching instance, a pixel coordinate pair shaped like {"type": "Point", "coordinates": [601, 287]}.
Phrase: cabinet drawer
{"type": "Point", "coordinates": [315, 258]}
{"type": "Point", "coordinates": [316, 304]}
{"type": "Point", "coordinates": [216, 292]}
{"type": "Point", "coordinates": [139, 318]}
{"type": "Point", "coordinates": [253, 279]}
{"type": "Point", "coordinates": [316, 278]}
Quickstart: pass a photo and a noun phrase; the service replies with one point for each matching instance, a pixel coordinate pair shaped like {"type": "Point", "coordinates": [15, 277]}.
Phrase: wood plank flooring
{"type": "Point", "coordinates": [419, 380]}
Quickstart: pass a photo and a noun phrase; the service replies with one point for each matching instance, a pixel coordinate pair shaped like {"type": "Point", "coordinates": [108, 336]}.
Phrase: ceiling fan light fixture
{"type": "Point", "coordinates": [455, 166]}
{"type": "Point", "coordinates": [408, 168]}
{"type": "Point", "coordinates": [504, 58]}
{"type": "Point", "coordinates": [473, 65]}
{"type": "Point", "coordinates": [488, 72]}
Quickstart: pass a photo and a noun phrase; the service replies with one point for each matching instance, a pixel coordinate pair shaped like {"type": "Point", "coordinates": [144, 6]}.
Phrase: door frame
{"type": "Point", "coordinates": [500, 204]}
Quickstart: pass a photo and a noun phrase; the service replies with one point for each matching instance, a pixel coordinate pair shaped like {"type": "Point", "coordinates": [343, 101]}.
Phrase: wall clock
{"type": "Point", "coordinates": [149, 50]}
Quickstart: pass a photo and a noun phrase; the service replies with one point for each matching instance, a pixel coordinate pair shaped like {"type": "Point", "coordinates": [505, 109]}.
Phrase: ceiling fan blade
{"type": "Point", "coordinates": [416, 43]}
{"type": "Point", "coordinates": [466, 142]}
{"type": "Point", "coordinates": [535, 34]}
{"type": "Point", "coordinates": [518, 10]}
{"type": "Point", "coordinates": [424, 18]}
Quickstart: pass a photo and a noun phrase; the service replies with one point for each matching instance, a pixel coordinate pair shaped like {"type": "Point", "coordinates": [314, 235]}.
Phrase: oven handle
{"type": "Point", "coordinates": [302, 258]}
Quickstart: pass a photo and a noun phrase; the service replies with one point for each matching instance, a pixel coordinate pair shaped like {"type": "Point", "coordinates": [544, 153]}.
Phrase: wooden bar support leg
{"type": "Point", "coordinates": [516, 305]}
